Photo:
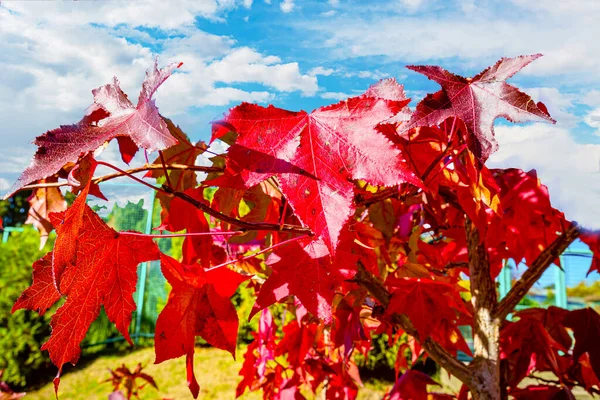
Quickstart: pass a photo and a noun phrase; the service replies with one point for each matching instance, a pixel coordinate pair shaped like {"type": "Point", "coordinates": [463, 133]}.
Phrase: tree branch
{"type": "Point", "coordinates": [242, 225]}
{"type": "Point", "coordinates": [435, 351]}
{"type": "Point", "coordinates": [146, 167]}
{"type": "Point", "coordinates": [535, 271]}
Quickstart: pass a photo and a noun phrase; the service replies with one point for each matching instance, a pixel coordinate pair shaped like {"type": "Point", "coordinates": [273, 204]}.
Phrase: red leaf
{"type": "Point", "coordinates": [104, 273]}
{"type": "Point", "coordinates": [527, 345]}
{"type": "Point", "coordinates": [478, 101]}
{"type": "Point", "coordinates": [412, 385]}
{"type": "Point", "coordinates": [42, 202]}
{"type": "Point", "coordinates": [543, 392]}
{"type": "Point", "coordinates": [592, 239]}
{"type": "Point", "coordinates": [42, 294]}
{"type": "Point", "coordinates": [308, 272]}
{"type": "Point", "coordinates": [316, 154]}
{"type": "Point", "coordinates": [198, 305]}
{"type": "Point", "coordinates": [111, 115]}
{"type": "Point", "coordinates": [421, 300]}
{"type": "Point", "coordinates": [585, 324]}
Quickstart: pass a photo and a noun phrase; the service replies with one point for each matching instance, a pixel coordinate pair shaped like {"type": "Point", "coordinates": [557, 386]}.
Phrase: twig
{"type": "Point", "coordinates": [243, 225]}
{"type": "Point", "coordinates": [435, 351]}
{"type": "Point", "coordinates": [535, 271]}
{"type": "Point", "coordinates": [143, 168]}
{"type": "Point", "coordinates": [257, 253]}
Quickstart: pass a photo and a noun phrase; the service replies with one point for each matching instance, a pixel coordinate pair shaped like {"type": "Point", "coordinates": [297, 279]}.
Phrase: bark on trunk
{"type": "Point", "coordinates": [486, 327]}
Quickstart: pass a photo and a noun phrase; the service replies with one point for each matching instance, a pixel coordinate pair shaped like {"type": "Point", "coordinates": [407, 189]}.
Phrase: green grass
{"type": "Point", "coordinates": [215, 369]}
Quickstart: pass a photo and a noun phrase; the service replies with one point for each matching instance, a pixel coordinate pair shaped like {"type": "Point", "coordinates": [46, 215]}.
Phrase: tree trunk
{"type": "Point", "coordinates": [486, 327]}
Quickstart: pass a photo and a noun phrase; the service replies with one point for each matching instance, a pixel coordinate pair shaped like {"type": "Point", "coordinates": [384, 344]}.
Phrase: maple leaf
{"type": "Point", "coordinates": [185, 153]}
{"type": "Point", "coordinates": [543, 392]}
{"type": "Point", "coordinates": [111, 115]}
{"type": "Point", "coordinates": [592, 239]}
{"type": "Point", "coordinates": [411, 385]}
{"type": "Point", "coordinates": [70, 222]}
{"type": "Point", "coordinates": [420, 299]}
{"type": "Point", "coordinates": [123, 376]}
{"type": "Point", "coordinates": [585, 324]}
{"type": "Point", "coordinates": [104, 274]}
{"type": "Point", "coordinates": [307, 271]}
{"type": "Point", "coordinates": [553, 320]}
{"type": "Point", "coordinates": [42, 202]}
{"type": "Point", "coordinates": [42, 294]}
{"type": "Point", "coordinates": [198, 305]}
{"type": "Point", "coordinates": [190, 218]}
{"type": "Point", "coordinates": [526, 344]}
{"type": "Point", "coordinates": [478, 101]}
{"type": "Point", "coordinates": [315, 155]}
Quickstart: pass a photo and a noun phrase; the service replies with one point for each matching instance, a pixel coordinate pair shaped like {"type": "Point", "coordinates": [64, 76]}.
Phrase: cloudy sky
{"type": "Point", "coordinates": [302, 54]}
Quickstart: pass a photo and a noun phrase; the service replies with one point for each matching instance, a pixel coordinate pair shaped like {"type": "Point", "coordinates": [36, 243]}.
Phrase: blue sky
{"type": "Point", "coordinates": [301, 54]}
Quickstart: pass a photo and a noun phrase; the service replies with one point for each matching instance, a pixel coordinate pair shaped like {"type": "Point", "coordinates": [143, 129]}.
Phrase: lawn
{"type": "Point", "coordinates": [215, 369]}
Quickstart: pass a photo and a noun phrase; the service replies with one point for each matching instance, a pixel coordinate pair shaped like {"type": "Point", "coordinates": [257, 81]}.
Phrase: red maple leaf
{"type": "Point", "coordinates": [104, 273]}
{"type": "Point", "coordinates": [592, 239]}
{"type": "Point", "coordinates": [412, 385]}
{"type": "Point", "coordinates": [42, 202]}
{"type": "Point", "coordinates": [42, 294]}
{"type": "Point", "coordinates": [420, 299]}
{"type": "Point", "coordinates": [198, 305]}
{"type": "Point", "coordinates": [307, 271]}
{"type": "Point", "coordinates": [585, 324]}
{"type": "Point", "coordinates": [543, 392]}
{"type": "Point", "coordinates": [111, 115]}
{"type": "Point", "coordinates": [316, 154]}
{"type": "Point", "coordinates": [527, 345]}
{"type": "Point", "coordinates": [478, 101]}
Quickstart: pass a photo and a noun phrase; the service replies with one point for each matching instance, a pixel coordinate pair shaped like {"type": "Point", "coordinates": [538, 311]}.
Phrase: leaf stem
{"type": "Point", "coordinates": [135, 178]}
{"type": "Point", "coordinates": [146, 167]}
{"type": "Point", "coordinates": [258, 253]}
{"type": "Point", "coordinates": [172, 235]}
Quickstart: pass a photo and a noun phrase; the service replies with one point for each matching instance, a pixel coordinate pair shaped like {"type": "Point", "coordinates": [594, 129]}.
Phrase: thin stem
{"type": "Point", "coordinates": [164, 164]}
{"type": "Point", "coordinates": [242, 225]}
{"type": "Point", "coordinates": [258, 253]}
{"type": "Point", "coordinates": [171, 235]}
{"type": "Point", "coordinates": [135, 178]}
{"type": "Point", "coordinates": [143, 168]}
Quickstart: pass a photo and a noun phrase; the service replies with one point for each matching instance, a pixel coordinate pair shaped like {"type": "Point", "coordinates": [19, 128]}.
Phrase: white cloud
{"type": "Point", "coordinates": [479, 35]}
{"type": "Point", "coordinates": [591, 98]}
{"type": "Point", "coordinates": [246, 65]}
{"type": "Point", "coordinates": [4, 186]}
{"type": "Point", "coordinates": [321, 71]}
{"type": "Point", "coordinates": [571, 170]}
{"type": "Point", "coordinates": [335, 95]}
{"type": "Point", "coordinates": [329, 13]}
{"type": "Point", "coordinates": [558, 104]}
{"type": "Point", "coordinates": [333, 2]}
{"type": "Point", "coordinates": [248, 3]}
{"type": "Point", "coordinates": [287, 6]}
{"type": "Point", "coordinates": [151, 13]}
{"type": "Point", "coordinates": [593, 119]}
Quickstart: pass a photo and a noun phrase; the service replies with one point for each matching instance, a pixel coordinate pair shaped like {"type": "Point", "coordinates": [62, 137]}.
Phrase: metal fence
{"type": "Point", "coordinates": [151, 292]}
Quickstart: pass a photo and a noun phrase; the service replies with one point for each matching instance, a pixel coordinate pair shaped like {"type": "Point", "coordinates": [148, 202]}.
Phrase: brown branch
{"type": "Point", "coordinates": [146, 167]}
{"type": "Point", "coordinates": [242, 225]}
{"type": "Point", "coordinates": [535, 271]}
{"type": "Point", "coordinates": [434, 349]}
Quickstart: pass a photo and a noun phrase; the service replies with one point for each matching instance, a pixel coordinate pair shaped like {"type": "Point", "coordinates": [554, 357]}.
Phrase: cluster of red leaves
{"type": "Point", "coordinates": [123, 377]}
{"type": "Point", "coordinates": [380, 187]}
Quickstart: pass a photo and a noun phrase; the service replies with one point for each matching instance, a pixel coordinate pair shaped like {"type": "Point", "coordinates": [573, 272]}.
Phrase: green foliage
{"type": "Point", "coordinates": [23, 333]}
{"type": "Point", "coordinates": [132, 217]}
{"type": "Point", "coordinates": [13, 211]}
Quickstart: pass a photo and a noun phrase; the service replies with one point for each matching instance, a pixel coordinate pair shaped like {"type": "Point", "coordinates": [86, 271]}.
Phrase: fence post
{"type": "Point", "coordinates": [143, 274]}
{"type": "Point", "coordinates": [560, 285]}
